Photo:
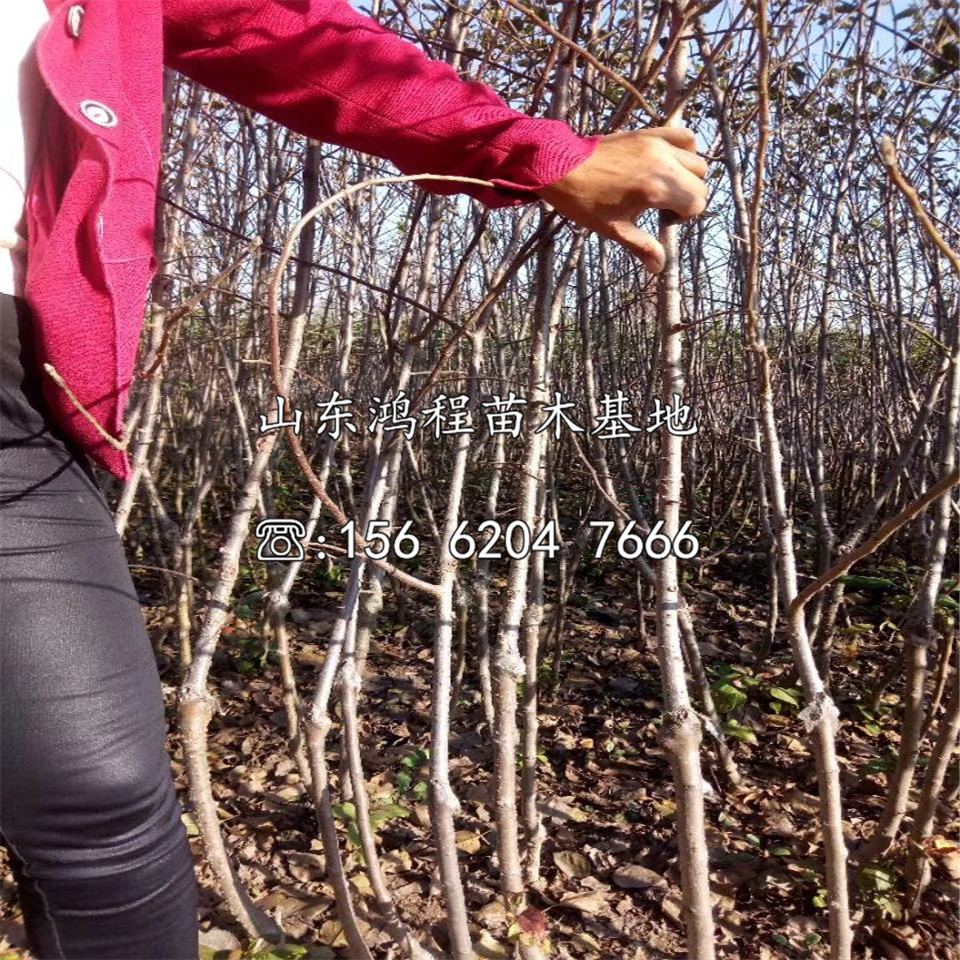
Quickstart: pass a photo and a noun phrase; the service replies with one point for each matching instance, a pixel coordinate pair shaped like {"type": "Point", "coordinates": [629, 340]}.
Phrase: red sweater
{"type": "Point", "coordinates": [316, 66]}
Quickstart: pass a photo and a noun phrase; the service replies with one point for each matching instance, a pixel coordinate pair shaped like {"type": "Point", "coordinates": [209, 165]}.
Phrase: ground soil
{"type": "Point", "coordinates": [610, 882]}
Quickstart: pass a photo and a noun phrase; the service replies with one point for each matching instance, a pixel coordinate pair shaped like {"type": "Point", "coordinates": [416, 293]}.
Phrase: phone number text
{"type": "Point", "coordinates": [515, 540]}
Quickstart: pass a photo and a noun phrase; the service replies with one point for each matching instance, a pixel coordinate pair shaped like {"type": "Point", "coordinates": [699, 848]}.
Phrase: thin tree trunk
{"type": "Point", "coordinates": [820, 716]}
{"type": "Point", "coordinates": [681, 733]}
{"type": "Point", "coordinates": [917, 871]}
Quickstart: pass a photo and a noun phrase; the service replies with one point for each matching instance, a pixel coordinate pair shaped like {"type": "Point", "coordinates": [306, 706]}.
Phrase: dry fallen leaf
{"type": "Point", "coordinates": [468, 842]}
{"type": "Point", "coordinates": [305, 867]}
{"type": "Point", "coordinates": [331, 933]}
{"type": "Point", "coordinates": [666, 808]}
{"type": "Point", "coordinates": [937, 846]}
{"type": "Point", "coordinates": [572, 863]}
{"type": "Point", "coordinates": [950, 863]}
{"type": "Point", "coordinates": [560, 810]}
{"type": "Point", "coordinates": [216, 940]}
{"type": "Point", "coordinates": [672, 907]}
{"type": "Point", "coordinates": [632, 876]}
{"type": "Point", "coordinates": [587, 942]}
{"type": "Point", "coordinates": [361, 883]}
{"type": "Point", "coordinates": [490, 949]}
{"type": "Point", "coordinates": [780, 825]}
{"type": "Point", "coordinates": [768, 953]}
{"type": "Point", "coordinates": [586, 902]}
{"type": "Point", "coordinates": [412, 889]}
{"type": "Point", "coordinates": [290, 792]}
{"type": "Point", "coordinates": [492, 913]}
{"type": "Point", "coordinates": [397, 860]}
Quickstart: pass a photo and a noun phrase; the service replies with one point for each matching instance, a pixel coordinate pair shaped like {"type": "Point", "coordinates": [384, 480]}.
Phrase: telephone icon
{"type": "Point", "coordinates": [280, 540]}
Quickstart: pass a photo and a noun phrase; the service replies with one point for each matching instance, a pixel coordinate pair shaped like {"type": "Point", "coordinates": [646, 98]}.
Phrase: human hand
{"type": "Point", "coordinates": [627, 174]}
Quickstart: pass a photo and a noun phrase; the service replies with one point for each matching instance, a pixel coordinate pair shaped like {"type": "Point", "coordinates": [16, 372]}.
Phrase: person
{"type": "Point", "coordinates": [88, 812]}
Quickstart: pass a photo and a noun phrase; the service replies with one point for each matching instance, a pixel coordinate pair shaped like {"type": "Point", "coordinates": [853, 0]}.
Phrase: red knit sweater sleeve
{"type": "Point", "coordinates": [321, 68]}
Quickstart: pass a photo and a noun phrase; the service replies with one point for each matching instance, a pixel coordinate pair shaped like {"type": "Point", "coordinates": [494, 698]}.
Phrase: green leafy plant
{"type": "Point", "coordinates": [251, 654]}
{"type": "Point", "coordinates": [259, 949]}
{"type": "Point", "coordinates": [784, 698]}
{"type": "Point", "coordinates": [880, 764]}
{"type": "Point", "coordinates": [289, 951]}
{"type": "Point", "coordinates": [734, 728]}
{"type": "Point", "coordinates": [870, 721]}
{"type": "Point", "coordinates": [332, 577]}
{"type": "Point", "coordinates": [379, 815]}
{"type": "Point", "coordinates": [736, 686]}
{"type": "Point", "coordinates": [409, 779]}
{"type": "Point", "coordinates": [730, 689]}
{"type": "Point", "coordinates": [879, 885]}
